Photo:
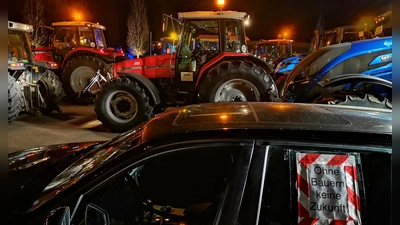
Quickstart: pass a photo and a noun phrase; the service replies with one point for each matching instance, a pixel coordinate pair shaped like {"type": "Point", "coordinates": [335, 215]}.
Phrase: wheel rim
{"type": "Point", "coordinates": [121, 106]}
{"type": "Point", "coordinates": [237, 90]}
{"type": "Point", "coordinates": [80, 77]}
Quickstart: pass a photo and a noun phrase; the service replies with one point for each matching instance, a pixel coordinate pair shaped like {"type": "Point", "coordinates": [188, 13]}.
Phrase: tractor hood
{"type": "Point", "coordinates": [158, 66]}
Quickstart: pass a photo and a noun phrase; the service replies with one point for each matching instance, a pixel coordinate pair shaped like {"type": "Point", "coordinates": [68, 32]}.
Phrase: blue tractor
{"type": "Point", "coordinates": [352, 73]}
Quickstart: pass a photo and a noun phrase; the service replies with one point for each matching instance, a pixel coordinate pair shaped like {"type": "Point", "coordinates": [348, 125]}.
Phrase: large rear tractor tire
{"type": "Point", "coordinates": [122, 104]}
{"type": "Point", "coordinates": [355, 99]}
{"type": "Point", "coordinates": [52, 92]}
{"type": "Point", "coordinates": [15, 99]}
{"type": "Point", "coordinates": [237, 81]}
{"type": "Point", "coordinates": [77, 74]}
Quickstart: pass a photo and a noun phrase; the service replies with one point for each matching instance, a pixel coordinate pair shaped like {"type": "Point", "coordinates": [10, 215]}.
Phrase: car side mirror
{"type": "Point", "coordinates": [94, 215]}
{"type": "Point", "coordinates": [59, 216]}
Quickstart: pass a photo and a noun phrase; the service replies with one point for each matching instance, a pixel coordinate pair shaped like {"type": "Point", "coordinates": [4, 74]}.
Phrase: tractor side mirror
{"type": "Point", "coordinates": [164, 23]}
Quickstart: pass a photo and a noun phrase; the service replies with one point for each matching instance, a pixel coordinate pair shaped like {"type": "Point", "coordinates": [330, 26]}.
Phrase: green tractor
{"type": "Point", "coordinates": [32, 87]}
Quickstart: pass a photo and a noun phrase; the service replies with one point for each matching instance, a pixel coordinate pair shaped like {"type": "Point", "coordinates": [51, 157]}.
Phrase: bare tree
{"type": "Point", "coordinates": [33, 15]}
{"type": "Point", "coordinates": [138, 28]}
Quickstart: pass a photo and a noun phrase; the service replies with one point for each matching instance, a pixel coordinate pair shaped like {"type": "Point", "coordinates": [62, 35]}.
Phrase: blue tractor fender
{"type": "Point", "coordinates": [354, 78]}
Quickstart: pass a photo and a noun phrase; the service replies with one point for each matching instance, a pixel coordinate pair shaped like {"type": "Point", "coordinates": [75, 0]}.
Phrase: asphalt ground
{"type": "Point", "coordinates": [74, 124]}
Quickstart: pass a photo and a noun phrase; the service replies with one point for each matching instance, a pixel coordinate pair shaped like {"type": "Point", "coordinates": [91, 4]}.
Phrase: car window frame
{"type": "Point", "coordinates": [136, 160]}
{"type": "Point", "coordinates": [312, 147]}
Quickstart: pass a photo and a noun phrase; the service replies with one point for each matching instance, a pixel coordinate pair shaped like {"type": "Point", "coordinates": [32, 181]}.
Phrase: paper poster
{"type": "Point", "coordinates": [327, 187]}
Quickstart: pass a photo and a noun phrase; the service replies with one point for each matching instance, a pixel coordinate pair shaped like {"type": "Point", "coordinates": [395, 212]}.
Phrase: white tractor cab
{"type": "Point", "coordinates": [32, 87]}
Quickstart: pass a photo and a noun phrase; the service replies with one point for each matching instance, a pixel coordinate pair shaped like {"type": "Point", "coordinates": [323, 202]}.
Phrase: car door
{"type": "Point", "coordinates": [195, 183]}
{"type": "Point", "coordinates": [318, 184]}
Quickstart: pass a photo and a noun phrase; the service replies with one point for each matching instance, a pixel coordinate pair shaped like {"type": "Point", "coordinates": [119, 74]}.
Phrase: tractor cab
{"type": "Point", "coordinates": [344, 34]}
{"type": "Point", "coordinates": [274, 50]}
{"type": "Point", "coordinates": [204, 36]}
{"type": "Point", "coordinates": [168, 45]}
{"type": "Point", "coordinates": [19, 46]}
{"type": "Point", "coordinates": [20, 56]}
{"type": "Point", "coordinates": [75, 35]}
{"type": "Point", "coordinates": [383, 25]}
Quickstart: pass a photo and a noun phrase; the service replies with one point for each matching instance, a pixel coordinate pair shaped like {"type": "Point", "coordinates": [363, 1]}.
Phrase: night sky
{"type": "Point", "coordinates": [268, 17]}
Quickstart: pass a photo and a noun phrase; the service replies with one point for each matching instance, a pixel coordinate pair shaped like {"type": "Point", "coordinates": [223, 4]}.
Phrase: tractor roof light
{"type": "Point", "coordinates": [246, 20]}
{"type": "Point", "coordinates": [220, 4]}
{"type": "Point", "coordinates": [20, 26]}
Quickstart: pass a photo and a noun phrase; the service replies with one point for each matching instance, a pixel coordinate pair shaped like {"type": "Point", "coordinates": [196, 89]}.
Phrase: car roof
{"type": "Point", "coordinates": [269, 115]}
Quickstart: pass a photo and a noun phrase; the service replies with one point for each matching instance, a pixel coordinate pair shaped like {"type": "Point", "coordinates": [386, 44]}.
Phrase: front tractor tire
{"type": "Point", "coordinates": [15, 99]}
{"type": "Point", "coordinates": [52, 92]}
{"type": "Point", "coordinates": [122, 104]}
{"type": "Point", "coordinates": [235, 81]}
{"type": "Point", "coordinates": [77, 74]}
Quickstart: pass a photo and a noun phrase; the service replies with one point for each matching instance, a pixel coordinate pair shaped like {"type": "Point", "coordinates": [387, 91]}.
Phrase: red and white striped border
{"type": "Point", "coordinates": [303, 187]}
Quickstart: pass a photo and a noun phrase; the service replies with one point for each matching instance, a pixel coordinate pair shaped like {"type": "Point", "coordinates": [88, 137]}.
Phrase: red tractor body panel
{"type": "Point", "coordinates": [85, 49]}
{"type": "Point", "coordinates": [43, 53]}
{"type": "Point", "coordinates": [158, 66]}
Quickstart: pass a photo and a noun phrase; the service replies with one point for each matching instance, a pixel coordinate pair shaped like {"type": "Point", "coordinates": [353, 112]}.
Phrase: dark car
{"type": "Point", "coordinates": [216, 163]}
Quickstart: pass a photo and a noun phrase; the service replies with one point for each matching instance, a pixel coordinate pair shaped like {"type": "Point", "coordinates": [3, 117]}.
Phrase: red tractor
{"type": "Point", "coordinates": [195, 73]}
{"type": "Point", "coordinates": [80, 49]}
{"type": "Point", "coordinates": [274, 50]}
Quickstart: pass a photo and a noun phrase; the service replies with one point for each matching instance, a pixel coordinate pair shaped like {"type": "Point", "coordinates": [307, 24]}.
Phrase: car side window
{"type": "Point", "coordinates": [184, 186]}
{"type": "Point", "coordinates": [349, 184]}
{"type": "Point", "coordinates": [276, 201]}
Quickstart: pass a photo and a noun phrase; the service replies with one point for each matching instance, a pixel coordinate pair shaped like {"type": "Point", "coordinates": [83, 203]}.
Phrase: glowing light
{"type": "Point", "coordinates": [221, 4]}
{"type": "Point", "coordinates": [174, 36]}
{"type": "Point", "coordinates": [16, 64]}
{"type": "Point", "coordinates": [223, 116]}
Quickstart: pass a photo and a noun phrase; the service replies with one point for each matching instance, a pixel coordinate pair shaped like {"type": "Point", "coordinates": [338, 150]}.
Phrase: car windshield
{"type": "Point", "coordinates": [91, 161]}
{"type": "Point", "coordinates": [18, 47]}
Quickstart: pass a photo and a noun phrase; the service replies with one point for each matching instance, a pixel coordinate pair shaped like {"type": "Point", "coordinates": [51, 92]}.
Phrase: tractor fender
{"type": "Point", "coordinates": [150, 87]}
{"type": "Point", "coordinates": [77, 52]}
{"type": "Point", "coordinates": [228, 56]}
{"type": "Point", "coordinates": [41, 63]}
{"type": "Point", "coordinates": [354, 78]}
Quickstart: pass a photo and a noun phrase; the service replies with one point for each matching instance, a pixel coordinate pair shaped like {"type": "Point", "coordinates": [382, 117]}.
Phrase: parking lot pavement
{"type": "Point", "coordinates": [74, 124]}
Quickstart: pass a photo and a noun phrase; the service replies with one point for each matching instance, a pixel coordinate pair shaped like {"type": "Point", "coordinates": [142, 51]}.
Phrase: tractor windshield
{"type": "Point", "coordinates": [193, 31]}
{"type": "Point", "coordinates": [19, 47]}
{"type": "Point", "coordinates": [272, 50]}
{"type": "Point", "coordinates": [100, 39]}
{"type": "Point", "coordinates": [92, 37]}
